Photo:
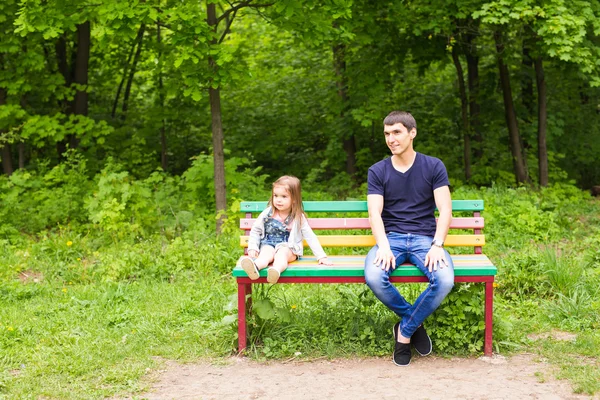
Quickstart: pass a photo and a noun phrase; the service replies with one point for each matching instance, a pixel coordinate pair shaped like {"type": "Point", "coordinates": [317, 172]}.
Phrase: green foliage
{"type": "Point", "coordinates": [563, 27]}
{"type": "Point", "coordinates": [573, 304]}
{"type": "Point", "coordinates": [35, 201]}
{"type": "Point", "coordinates": [282, 96]}
{"type": "Point", "coordinates": [519, 276]}
{"type": "Point", "coordinates": [540, 217]}
{"type": "Point", "coordinates": [42, 130]}
{"type": "Point", "coordinates": [115, 227]}
{"type": "Point", "coordinates": [576, 310]}
{"type": "Point", "coordinates": [458, 324]}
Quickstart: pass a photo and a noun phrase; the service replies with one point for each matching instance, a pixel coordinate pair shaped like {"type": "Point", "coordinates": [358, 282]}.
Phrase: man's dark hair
{"type": "Point", "coordinates": [403, 117]}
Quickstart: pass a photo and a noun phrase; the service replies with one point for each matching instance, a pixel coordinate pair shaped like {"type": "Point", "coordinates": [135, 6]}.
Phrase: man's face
{"type": "Point", "coordinates": [398, 138]}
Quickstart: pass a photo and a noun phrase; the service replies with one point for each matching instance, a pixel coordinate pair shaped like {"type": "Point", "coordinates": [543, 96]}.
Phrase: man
{"type": "Point", "coordinates": [403, 192]}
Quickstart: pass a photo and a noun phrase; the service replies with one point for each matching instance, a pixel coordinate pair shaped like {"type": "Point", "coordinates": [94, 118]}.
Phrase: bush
{"type": "Point", "coordinates": [33, 201]}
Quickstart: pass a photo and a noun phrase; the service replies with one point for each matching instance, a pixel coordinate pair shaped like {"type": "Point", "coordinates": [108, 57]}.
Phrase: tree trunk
{"type": "Point", "coordinates": [542, 122]}
{"type": "Point", "coordinates": [519, 163]}
{"type": "Point", "coordinates": [217, 129]}
{"type": "Point", "coordinates": [464, 114]}
{"type": "Point", "coordinates": [349, 141]}
{"type": "Point", "coordinates": [527, 98]}
{"type": "Point", "coordinates": [5, 152]}
{"type": "Point", "coordinates": [21, 145]}
{"type": "Point", "coordinates": [527, 80]}
{"type": "Point", "coordinates": [82, 62]}
{"type": "Point", "coordinates": [21, 155]}
{"type": "Point", "coordinates": [164, 162]}
{"type": "Point", "coordinates": [125, 73]}
{"type": "Point", "coordinates": [136, 59]}
{"type": "Point", "coordinates": [62, 60]}
{"type": "Point", "coordinates": [80, 75]}
{"type": "Point", "coordinates": [473, 83]}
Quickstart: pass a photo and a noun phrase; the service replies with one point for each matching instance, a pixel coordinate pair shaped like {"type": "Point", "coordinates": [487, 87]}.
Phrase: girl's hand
{"type": "Point", "coordinates": [252, 253]}
{"type": "Point", "coordinates": [325, 261]}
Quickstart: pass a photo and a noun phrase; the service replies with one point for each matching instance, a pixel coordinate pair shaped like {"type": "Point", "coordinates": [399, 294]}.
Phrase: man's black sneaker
{"type": "Point", "coordinates": [401, 354]}
{"type": "Point", "coordinates": [421, 340]}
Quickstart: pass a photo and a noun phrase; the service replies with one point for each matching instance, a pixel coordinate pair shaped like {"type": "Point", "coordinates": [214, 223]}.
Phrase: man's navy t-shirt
{"type": "Point", "coordinates": [408, 202]}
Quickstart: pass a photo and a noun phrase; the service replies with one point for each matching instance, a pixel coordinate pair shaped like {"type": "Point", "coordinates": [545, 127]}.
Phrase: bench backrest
{"type": "Point", "coordinates": [470, 234]}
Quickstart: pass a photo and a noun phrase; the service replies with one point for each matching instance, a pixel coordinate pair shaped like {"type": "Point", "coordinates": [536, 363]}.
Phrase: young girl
{"type": "Point", "coordinates": [278, 232]}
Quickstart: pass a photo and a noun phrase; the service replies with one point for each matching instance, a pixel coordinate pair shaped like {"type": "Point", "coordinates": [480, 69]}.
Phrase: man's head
{"type": "Point", "coordinates": [400, 128]}
{"type": "Point", "coordinates": [401, 117]}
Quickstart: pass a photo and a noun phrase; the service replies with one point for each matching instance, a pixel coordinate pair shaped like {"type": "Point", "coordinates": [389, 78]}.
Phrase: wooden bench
{"type": "Point", "coordinates": [473, 267]}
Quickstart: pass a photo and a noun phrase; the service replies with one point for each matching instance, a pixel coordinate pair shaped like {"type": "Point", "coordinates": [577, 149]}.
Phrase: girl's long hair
{"type": "Point", "coordinates": [293, 187]}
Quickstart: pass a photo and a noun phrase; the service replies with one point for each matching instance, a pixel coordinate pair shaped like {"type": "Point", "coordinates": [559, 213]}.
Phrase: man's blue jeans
{"type": "Point", "coordinates": [412, 248]}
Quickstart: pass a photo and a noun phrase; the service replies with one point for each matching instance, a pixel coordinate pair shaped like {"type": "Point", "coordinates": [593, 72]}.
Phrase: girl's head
{"type": "Point", "coordinates": [287, 196]}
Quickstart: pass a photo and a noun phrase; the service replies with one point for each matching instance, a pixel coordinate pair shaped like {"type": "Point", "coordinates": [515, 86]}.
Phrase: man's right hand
{"type": "Point", "coordinates": [385, 259]}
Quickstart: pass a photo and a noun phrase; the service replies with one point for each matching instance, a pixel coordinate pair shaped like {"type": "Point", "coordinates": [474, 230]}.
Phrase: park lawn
{"type": "Point", "coordinates": [95, 340]}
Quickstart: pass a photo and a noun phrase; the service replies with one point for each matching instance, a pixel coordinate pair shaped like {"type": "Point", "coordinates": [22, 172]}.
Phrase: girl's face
{"type": "Point", "coordinates": [282, 200]}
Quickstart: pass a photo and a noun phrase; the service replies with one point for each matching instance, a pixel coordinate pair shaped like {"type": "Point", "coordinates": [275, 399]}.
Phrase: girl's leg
{"type": "Point", "coordinates": [265, 256]}
{"type": "Point", "coordinates": [283, 256]}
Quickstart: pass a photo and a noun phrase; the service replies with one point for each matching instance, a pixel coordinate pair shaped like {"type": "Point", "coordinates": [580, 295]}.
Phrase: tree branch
{"type": "Point", "coordinates": [234, 9]}
{"type": "Point", "coordinates": [227, 28]}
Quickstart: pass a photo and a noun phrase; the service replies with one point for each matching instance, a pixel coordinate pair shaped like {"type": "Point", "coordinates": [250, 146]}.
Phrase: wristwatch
{"type": "Point", "coordinates": [438, 243]}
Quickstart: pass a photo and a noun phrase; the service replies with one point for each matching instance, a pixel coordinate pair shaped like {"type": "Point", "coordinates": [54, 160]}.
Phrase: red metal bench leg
{"type": "Point", "coordinates": [242, 287]}
{"type": "Point", "coordinates": [489, 308]}
{"type": "Point", "coordinates": [249, 296]}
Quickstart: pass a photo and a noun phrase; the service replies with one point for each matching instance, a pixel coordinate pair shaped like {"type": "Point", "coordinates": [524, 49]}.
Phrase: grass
{"type": "Point", "coordinates": [93, 341]}
{"type": "Point", "coordinates": [577, 360]}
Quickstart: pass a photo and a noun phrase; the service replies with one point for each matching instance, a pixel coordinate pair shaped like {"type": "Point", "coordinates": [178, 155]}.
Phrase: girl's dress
{"type": "Point", "coordinates": [276, 232]}
{"type": "Point", "coordinates": [268, 230]}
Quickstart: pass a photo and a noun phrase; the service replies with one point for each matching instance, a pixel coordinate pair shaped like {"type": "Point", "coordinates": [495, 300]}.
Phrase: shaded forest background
{"type": "Point", "coordinates": [504, 92]}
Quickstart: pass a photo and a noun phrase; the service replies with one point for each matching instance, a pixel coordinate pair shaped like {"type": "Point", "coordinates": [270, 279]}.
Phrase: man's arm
{"type": "Point", "coordinates": [384, 256]}
{"type": "Point", "coordinates": [436, 255]}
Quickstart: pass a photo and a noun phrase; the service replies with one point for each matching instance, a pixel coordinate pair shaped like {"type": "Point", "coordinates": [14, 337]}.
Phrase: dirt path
{"type": "Point", "coordinates": [518, 377]}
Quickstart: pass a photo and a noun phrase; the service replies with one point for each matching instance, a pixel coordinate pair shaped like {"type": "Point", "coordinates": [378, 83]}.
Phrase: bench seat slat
{"type": "Point", "coordinates": [464, 265]}
{"type": "Point", "coordinates": [363, 223]}
{"type": "Point", "coordinates": [369, 240]}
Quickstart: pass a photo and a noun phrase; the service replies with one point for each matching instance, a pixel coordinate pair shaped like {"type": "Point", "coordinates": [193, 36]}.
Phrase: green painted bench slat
{"type": "Point", "coordinates": [352, 206]}
{"type": "Point", "coordinates": [464, 265]}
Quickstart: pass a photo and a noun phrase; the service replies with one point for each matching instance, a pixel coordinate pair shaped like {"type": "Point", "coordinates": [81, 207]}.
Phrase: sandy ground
{"type": "Point", "coordinates": [522, 376]}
